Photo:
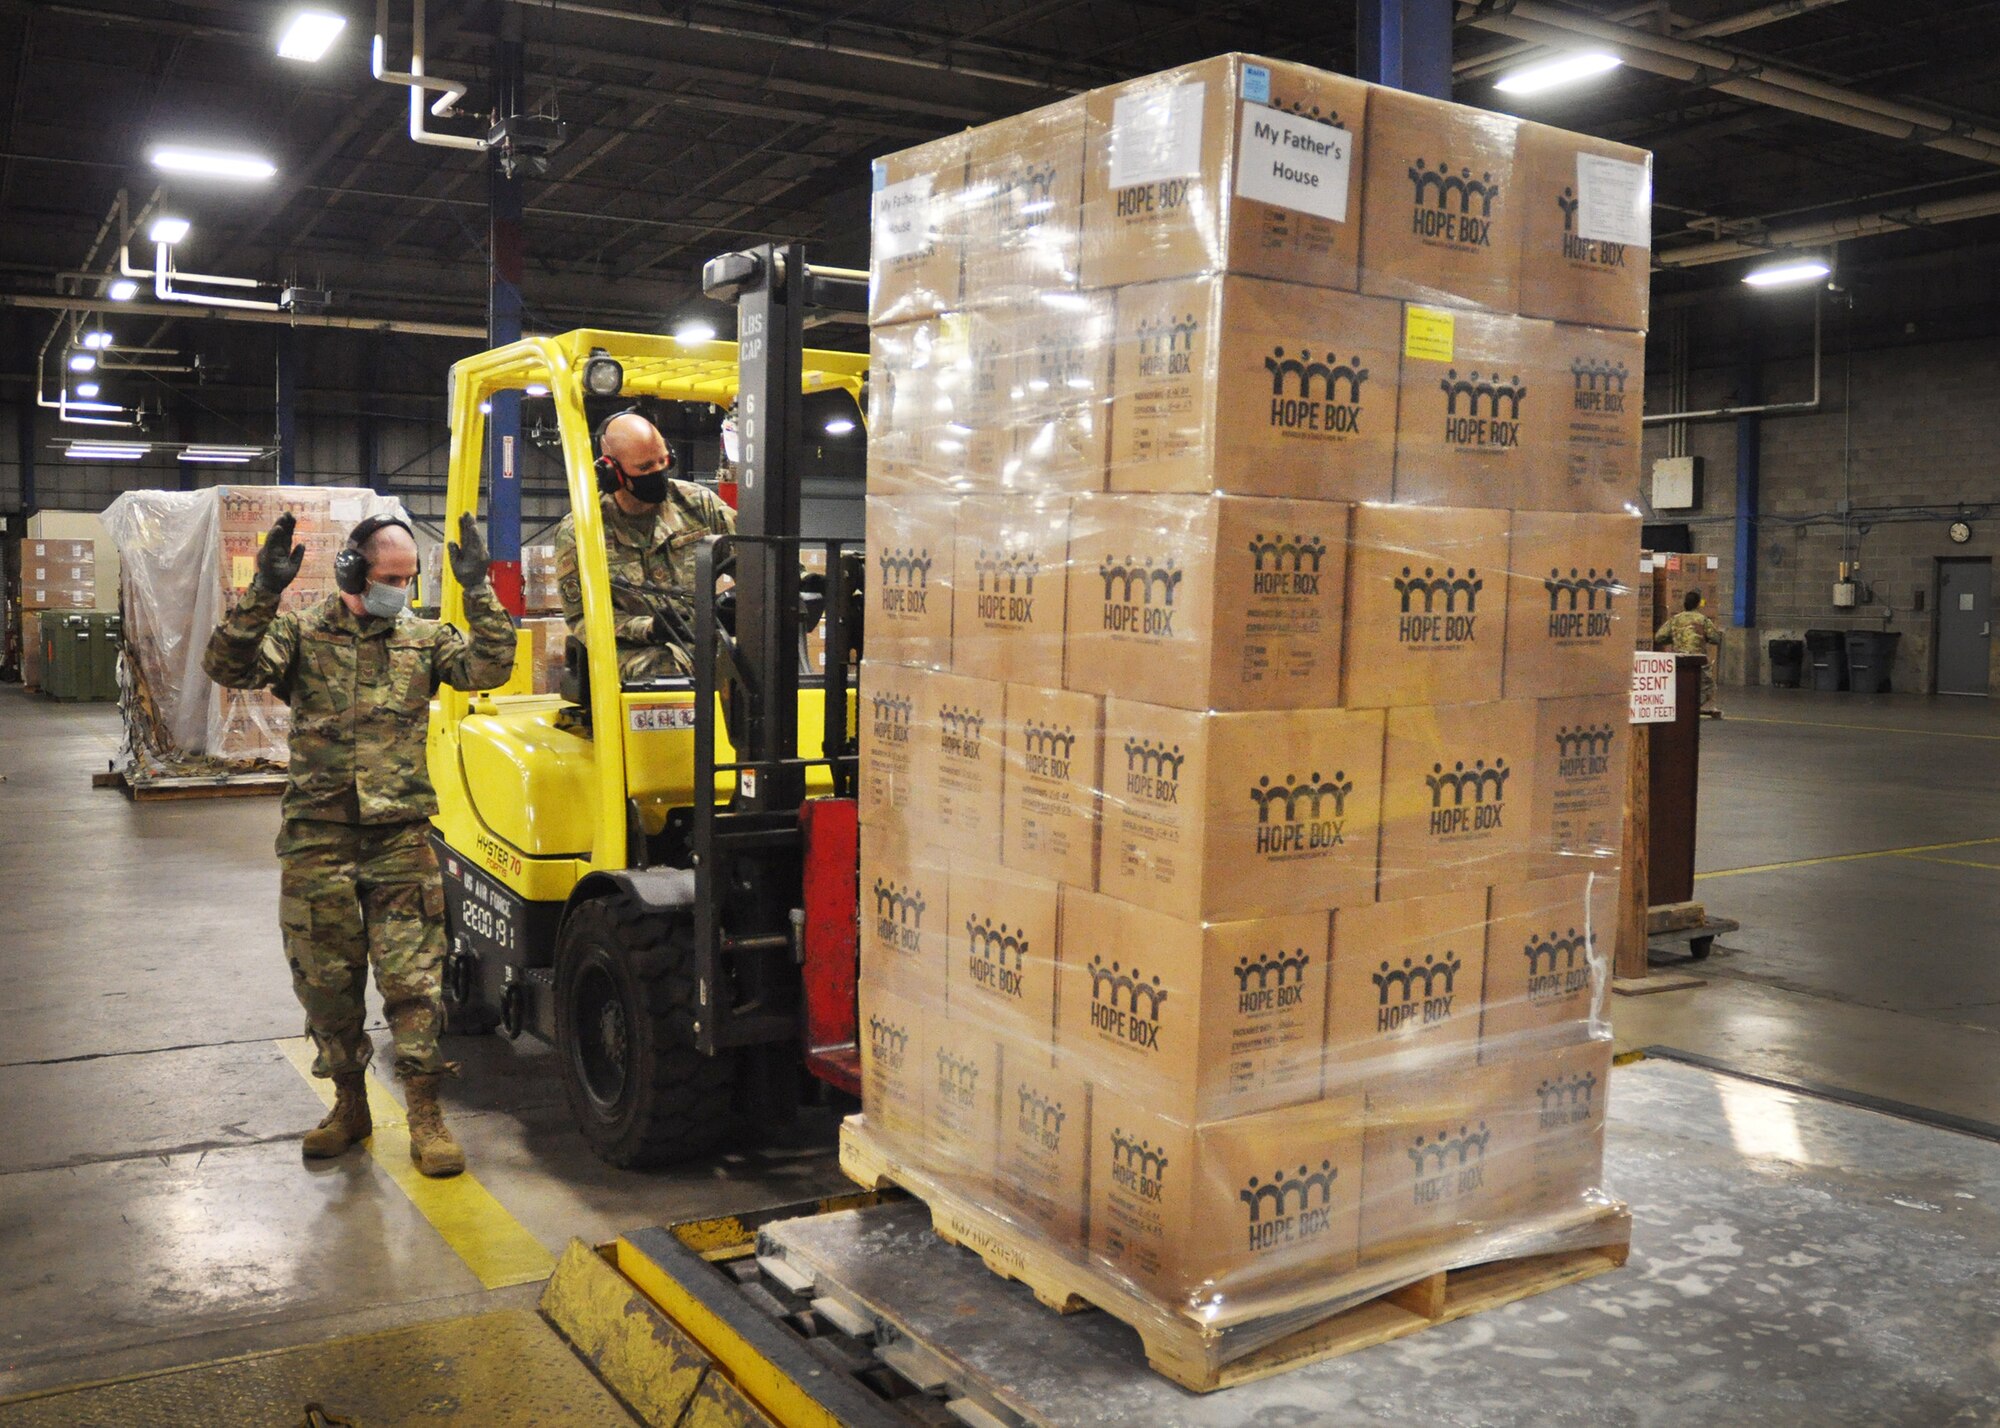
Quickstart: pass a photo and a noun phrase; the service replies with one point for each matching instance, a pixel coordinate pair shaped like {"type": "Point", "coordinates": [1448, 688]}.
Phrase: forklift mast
{"type": "Point", "coordinates": [774, 872]}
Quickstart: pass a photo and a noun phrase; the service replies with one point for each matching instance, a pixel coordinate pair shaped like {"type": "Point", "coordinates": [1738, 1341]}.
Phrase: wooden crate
{"type": "Point", "coordinates": [1204, 1356]}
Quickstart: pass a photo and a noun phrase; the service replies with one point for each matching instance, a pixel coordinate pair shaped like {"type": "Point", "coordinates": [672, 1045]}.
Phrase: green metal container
{"type": "Point", "coordinates": [66, 654]}
{"type": "Point", "coordinates": [107, 636]}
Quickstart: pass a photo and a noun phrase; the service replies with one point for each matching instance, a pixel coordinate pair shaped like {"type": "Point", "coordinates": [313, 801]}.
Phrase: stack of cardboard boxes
{"type": "Point", "coordinates": [1243, 718]}
{"type": "Point", "coordinates": [55, 575]}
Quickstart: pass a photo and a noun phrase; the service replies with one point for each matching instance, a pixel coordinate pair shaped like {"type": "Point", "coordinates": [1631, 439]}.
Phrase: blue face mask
{"type": "Point", "coordinates": [385, 602]}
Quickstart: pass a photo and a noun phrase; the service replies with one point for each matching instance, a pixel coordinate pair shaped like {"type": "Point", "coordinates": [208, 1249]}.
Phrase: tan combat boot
{"type": "Point", "coordinates": [431, 1145]}
{"type": "Point", "coordinates": [347, 1123]}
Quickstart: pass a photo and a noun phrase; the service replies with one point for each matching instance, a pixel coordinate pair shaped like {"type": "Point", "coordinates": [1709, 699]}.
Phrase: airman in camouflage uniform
{"type": "Point", "coordinates": [358, 880]}
{"type": "Point", "coordinates": [652, 527]}
{"type": "Point", "coordinates": [1691, 633]}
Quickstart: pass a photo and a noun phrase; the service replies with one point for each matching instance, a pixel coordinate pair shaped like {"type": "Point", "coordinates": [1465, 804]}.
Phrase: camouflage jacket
{"type": "Point", "coordinates": [655, 553]}
{"type": "Point", "coordinates": [359, 690]}
{"type": "Point", "coordinates": [1689, 632]}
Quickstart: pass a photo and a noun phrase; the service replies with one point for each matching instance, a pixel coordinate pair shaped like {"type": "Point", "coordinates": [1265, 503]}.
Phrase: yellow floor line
{"type": "Point", "coordinates": [495, 1246]}
{"type": "Point", "coordinates": [1864, 728]}
{"type": "Point", "coordinates": [1848, 858]}
{"type": "Point", "coordinates": [1955, 862]}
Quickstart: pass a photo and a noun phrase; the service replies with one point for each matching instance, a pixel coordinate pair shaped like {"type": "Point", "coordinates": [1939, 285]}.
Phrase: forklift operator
{"type": "Point", "coordinates": [652, 526]}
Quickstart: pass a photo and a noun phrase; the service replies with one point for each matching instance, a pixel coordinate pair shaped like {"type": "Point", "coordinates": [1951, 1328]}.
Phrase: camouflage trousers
{"type": "Point", "coordinates": [355, 895]}
{"type": "Point", "coordinates": [653, 661]}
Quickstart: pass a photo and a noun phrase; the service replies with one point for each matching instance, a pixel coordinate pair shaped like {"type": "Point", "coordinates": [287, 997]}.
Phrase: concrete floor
{"type": "Point", "coordinates": [154, 1211]}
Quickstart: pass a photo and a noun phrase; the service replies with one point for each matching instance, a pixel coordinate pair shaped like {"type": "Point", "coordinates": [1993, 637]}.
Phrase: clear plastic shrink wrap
{"type": "Point", "coordinates": [1243, 727]}
{"type": "Point", "coordinates": [187, 556]}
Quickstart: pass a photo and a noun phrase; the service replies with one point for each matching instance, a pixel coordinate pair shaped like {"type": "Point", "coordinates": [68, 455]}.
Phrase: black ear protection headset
{"type": "Point", "coordinates": [350, 567]}
{"type": "Point", "coordinates": [610, 475]}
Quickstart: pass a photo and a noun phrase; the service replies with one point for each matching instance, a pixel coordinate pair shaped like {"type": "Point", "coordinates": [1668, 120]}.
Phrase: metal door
{"type": "Point", "coordinates": [1964, 625]}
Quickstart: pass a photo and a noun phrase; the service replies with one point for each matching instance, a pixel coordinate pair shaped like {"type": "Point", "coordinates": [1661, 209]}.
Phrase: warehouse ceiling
{"type": "Point", "coordinates": [695, 127]}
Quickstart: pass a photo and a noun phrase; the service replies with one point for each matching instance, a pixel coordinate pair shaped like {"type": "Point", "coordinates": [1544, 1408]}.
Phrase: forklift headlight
{"type": "Point", "coordinates": [602, 376]}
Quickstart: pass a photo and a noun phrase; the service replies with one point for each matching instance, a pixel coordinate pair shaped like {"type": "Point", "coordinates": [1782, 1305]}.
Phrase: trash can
{"type": "Point", "coordinates": [1788, 663]}
{"type": "Point", "coordinates": [1871, 654]}
{"type": "Point", "coordinates": [1826, 655]}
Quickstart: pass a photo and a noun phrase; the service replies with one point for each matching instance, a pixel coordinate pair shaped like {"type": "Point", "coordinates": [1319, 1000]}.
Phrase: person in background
{"type": "Point", "coordinates": [1691, 632]}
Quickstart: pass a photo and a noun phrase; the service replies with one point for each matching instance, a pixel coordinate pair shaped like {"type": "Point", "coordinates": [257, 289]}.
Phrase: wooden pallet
{"type": "Point", "coordinates": [159, 790]}
{"type": "Point", "coordinates": [1204, 1357]}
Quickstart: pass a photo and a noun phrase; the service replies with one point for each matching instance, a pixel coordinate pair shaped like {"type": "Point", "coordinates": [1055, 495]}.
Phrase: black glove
{"type": "Point", "coordinates": [278, 560]}
{"type": "Point", "coordinates": [670, 627]}
{"type": "Point", "coordinates": [468, 554]}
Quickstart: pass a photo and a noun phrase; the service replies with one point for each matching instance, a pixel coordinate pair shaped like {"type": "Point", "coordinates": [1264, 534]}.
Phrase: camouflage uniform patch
{"type": "Point", "coordinates": [358, 883]}
{"type": "Point", "coordinates": [645, 554]}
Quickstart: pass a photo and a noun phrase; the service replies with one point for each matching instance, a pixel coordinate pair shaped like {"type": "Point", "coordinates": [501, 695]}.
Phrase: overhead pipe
{"type": "Point", "coordinates": [449, 91]}
{"type": "Point", "coordinates": [1761, 408]}
{"type": "Point", "coordinates": [1832, 230]}
{"type": "Point", "coordinates": [1739, 75]}
{"type": "Point", "coordinates": [46, 302]}
{"type": "Point", "coordinates": [1481, 65]}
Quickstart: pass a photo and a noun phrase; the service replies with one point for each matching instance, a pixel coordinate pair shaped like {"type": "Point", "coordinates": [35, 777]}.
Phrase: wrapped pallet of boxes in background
{"type": "Point", "coordinates": [188, 556]}
{"type": "Point", "coordinates": [55, 575]}
{"type": "Point", "coordinates": [1251, 577]}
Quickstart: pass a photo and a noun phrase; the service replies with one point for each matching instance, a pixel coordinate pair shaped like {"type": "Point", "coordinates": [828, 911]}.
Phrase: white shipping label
{"type": "Point", "coordinates": [902, 219]}
{"type": "Point", "coordinates": [1614, 201]}
{"type": "Point", "coordinates": [1295, 163]}
{"type": "Point", "coordinates": [1156, 135]}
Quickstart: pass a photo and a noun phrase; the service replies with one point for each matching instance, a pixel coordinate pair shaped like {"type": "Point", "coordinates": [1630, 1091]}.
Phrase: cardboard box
{"type": "Point", "coordinates": [539, 588]}
{"type": "Point", "coordinates": [1548, 963]}
{"type": "Point", "coordinates": [1229, 816]}
{"type": "Point", "coordinates": [1646, 614]}
{"type": "Point", "coordinates": [909, 546]}
{"type": "Point", "coordinates": [1001, 940]}
{"type": "Point", "coordinates": [1252, 386]}
{"type": "Point", "coordinates": [1207, 602]}
{"type": "Point", "coordinates": [1565, 1093]}
{"type": "Point", "coordinates": [1024, 204]}
{"type": "Point", "coordinates": [1579, 265]}
{"type": "Point", "coordinates": [917, 230]}
{"type": "Point", "coordinates": [889, 704]}
{"type": "Point", "coordinates": [1442, 222]}
{"type": "Point", "coordinates": [1044, 1151]}
{"type": "Point", "coordinates": [1405, 983]}
{"type": "Point", "coordinates": [1426, 606]}
{"type": "Point", "coordinates": [905, 900]}
{"type": "Point", "coordinates": [547, 639]}
{"type": "Point", "coordinates": [961, 1070]}
{"type": "Point", "coordinates": [52, 572]}
{"type": "Point", "coordinates": [1601, 377]}
{"type": "Point", "coordinates": [1201, 1021]}
{"type": "Point", "coordinates": [892, 1083]}
{"type": "Point", "coordinates": [1583, 751]}
{"type": "Point", "coordinates": [1054, 747]}
{"type": "Point", "coordinates": [59, 595]}
{"type": "Point", "coordinates": [1480, 418]}
{"type": "Point", "coordinates": [1225, 1209]}
{"type": "Point", "coordinates": [58, 552]}
{"type": "Point", "coordinates": [1007, 610]}
{"type": "Point", "coordinates": [1674, 576]}
{"type": "Point", "coordinates": [1458, 789]}
{"type": "Point", "coordinates": [900, 378]}
{"type": "Point", "coordinates": [1439, 1145]}
{"type": "Point", "coordinates": [1056, 403]}
{"type": "Point", "coordinates": [960, 723]}
{"type": "Point", "coordinates": [1571, 610]}
{"type": "Point", "coordinates": [1235, 164]}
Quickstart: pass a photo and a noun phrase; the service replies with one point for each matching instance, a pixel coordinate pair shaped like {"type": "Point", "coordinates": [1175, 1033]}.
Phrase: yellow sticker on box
{"type": "Point", "coordinates": [241, 568]}
{"type": "Point", "coordinates": [1427, 334]}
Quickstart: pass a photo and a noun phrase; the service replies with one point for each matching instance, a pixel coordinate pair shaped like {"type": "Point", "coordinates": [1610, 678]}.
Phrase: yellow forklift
{"type": "Point", "coordinates": [658, 877]}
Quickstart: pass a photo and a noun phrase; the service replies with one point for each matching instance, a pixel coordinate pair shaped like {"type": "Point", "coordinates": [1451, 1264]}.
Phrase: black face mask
{"type": "Point", "coordinates": [650, 488]}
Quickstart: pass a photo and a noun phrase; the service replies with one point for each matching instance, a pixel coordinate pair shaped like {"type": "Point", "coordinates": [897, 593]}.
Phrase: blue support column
{"type": "Point", "coordinates": [505, 261]}
{"type": "Point", "coordinates": [1406, 44]}
{"type": "Point", "coordinates": [1749, 444]}
{"type": "Point", "coordinates": [288, 406]}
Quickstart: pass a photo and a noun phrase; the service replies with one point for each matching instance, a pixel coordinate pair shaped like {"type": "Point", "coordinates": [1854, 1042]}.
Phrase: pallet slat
{"type": "Point", "coordinates": [1202, 1357]}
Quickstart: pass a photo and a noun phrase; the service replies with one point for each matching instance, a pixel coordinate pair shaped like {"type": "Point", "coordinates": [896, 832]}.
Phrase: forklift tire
{"type": "Point", "coordinates": [626, 1006]}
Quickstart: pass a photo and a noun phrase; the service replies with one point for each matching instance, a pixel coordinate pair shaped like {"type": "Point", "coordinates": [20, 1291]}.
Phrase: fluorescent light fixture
{"type": "Point", "coordinates": [168, 230]}
{"type": "Point", "coordinates": [212, 163]}
{"type": "Point", "coordinates": [536, 389]}
{"type": "Point", "coordinates": [1557, 72]}
{"type": "Point", "coordinates": [1779, 275]}
{"type": "Point", "coordinates": [76, 406]}
{"type": "Point", "coordinates": [839, 426]}
{"type": "Point", "coordinates": [103, 451]}
{"type": "Point", "coordinates": [310, 35]}
{"type": "Point", "coordinates": [97, 341]}
{"type": "Point", "coordinates": [201, 448]}
{"type": "Point", "coordinates": [81, 362]}
{"type": "Point", "coordinates": [124, 290]}
{"type": "Point", "coordinates": [217, 458]}
{"type": "Point", "coordinates": [87, 389]}
{"type": "Point", "coordinates": [690, 333]}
